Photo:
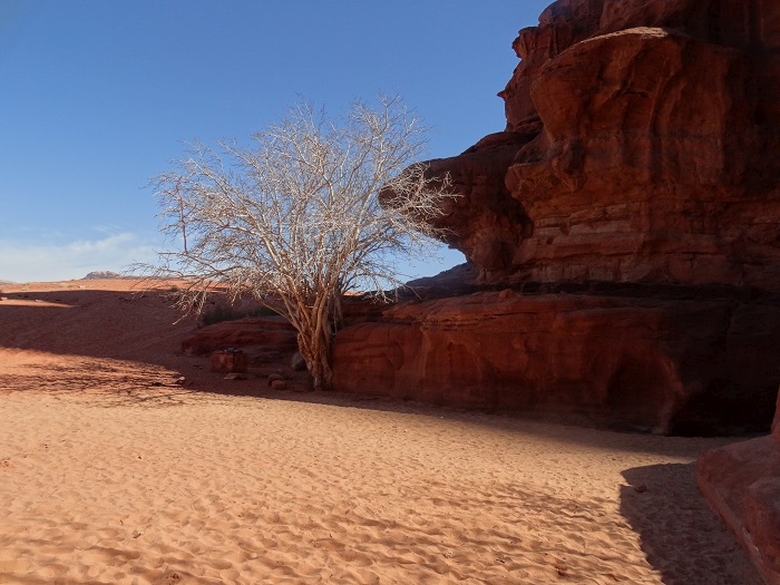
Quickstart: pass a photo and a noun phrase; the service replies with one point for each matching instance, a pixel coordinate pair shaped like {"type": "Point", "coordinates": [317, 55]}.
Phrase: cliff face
{"type": "Point", "coordinates": [639, 168]}
{"type": "Point", "coordinates": [639, 147]}
{"type": "Point", "coordinates": [673, 366]}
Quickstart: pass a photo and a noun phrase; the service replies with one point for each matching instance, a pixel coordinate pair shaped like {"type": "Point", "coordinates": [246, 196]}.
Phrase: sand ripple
{"type": "Point", "coordinates": [199, 488]}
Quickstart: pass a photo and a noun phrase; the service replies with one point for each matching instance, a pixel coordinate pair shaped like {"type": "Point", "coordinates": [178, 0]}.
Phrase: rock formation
{"type": "Point", "coordinates": [638, 168]}
{"type": "Point", "coordinates": [102, 275]}
{"type": "Point", "coordinates": [742, 484]}
{"type": "Point", "coordinates": [264, 340]}
{"type": "Point", "coordinates": [655, 364]}
{"type": "Point", "coordinates": [637, 149]}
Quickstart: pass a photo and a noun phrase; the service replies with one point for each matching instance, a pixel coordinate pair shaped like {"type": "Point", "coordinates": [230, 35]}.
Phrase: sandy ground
{"type": "Point", "coordinates": [122, 461]}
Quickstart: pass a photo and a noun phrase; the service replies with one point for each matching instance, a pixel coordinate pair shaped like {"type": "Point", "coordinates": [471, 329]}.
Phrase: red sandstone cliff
{"type": "Point", "coordinates": [641, 150]}
{"type": "Point", "coordinates": [639, 147]}
{"type": "Point", "coordinates": [681, 366]}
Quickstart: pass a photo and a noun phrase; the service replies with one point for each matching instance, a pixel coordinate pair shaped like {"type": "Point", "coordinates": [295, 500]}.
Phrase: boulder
{"type": "Point", "coordinates": [640, 174]}
{"type": "Point", "coordinates": [279, 385]}
{"type": "Point", "coordinates": [741, 482]}
{"type": "Point", "coordinates": [229, 361]}
{"type": "Point", "coordinates": [262, 339]}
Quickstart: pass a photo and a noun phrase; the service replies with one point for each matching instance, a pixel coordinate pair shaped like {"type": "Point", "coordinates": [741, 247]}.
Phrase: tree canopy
{"type": "Point", "coordinates": [294, 218]}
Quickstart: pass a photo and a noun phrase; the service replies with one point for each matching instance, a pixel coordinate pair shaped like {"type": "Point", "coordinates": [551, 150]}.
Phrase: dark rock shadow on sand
{"type": "Point", "coordinates": [680, 535]}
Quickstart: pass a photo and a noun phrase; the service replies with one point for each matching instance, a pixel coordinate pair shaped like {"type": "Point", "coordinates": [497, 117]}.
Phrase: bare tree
{"type": "Point", "coordinates": [295, 219]}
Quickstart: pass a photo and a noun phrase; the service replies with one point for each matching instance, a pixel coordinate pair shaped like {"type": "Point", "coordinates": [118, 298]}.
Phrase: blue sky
{"type": "Point", "coordinates": [97, 96]}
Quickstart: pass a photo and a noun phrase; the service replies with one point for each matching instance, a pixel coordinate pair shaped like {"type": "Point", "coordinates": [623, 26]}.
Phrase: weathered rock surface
{"type": "Point", "coordinates": [269, 339]}
{"type": "Point", "coordinates": [665, 365]}
{"type": "Point", "coordinates": [742, 484]}
{"type": "Point", "coordinates": [638, 148]}
{"type": "Point", "coordinates": [641, 149]}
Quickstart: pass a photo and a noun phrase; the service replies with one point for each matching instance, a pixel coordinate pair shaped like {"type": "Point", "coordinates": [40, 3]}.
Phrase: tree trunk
{"type": "Point", "coordinates": [315, 349]}
{"type": "Point", "coordinates": [316, 323]}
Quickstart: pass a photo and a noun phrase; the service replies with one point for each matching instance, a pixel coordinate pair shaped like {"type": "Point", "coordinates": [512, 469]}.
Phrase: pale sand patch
{"type": "Point", "coordinates": [111, 471]}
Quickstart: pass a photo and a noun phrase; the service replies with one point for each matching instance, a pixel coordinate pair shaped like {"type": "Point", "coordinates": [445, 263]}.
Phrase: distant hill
{"type": "Point", "coordinates": [102, 274]}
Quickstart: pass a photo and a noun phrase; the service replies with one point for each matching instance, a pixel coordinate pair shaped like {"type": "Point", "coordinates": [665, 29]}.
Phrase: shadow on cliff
{"type": "Point", "coordinates": [663, 506]}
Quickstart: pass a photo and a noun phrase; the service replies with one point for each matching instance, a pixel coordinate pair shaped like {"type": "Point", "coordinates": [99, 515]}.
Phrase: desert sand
{"type": "Point", "coordinates": [123, 461]}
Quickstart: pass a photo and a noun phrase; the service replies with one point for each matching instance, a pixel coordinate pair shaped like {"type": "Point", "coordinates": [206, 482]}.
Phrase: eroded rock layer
{"type": "Point", "coordinates": [666, 365]}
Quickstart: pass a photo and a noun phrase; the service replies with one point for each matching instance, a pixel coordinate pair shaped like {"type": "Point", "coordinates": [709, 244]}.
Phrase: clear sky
{"type": "Point", "coordinates": [97, 96]}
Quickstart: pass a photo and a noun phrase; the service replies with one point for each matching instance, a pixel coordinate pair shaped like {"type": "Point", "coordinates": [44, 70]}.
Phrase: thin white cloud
{"type": "Point", "coordinates": [24, 261]}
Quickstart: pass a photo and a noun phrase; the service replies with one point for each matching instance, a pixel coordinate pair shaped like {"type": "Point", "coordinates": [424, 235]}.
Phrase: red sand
{"type": "Point", "coordinates": [123, 461]}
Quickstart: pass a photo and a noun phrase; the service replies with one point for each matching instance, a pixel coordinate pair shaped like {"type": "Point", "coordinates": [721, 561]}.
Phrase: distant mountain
{"type": "Point", "coordinates": [102, 274]}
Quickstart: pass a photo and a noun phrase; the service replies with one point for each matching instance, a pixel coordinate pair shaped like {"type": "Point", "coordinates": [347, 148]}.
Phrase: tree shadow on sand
{"type": "Point", "coordinates": [681, 536]}
{"type": "Point", "coordinates": [115, 384]}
